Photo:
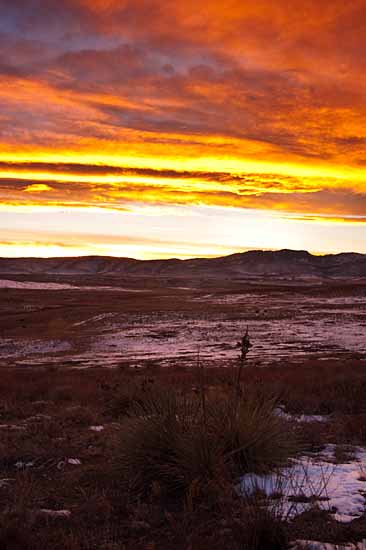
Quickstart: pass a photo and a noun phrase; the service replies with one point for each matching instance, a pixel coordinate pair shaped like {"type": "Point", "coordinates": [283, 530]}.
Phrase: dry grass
{"type": "Point", "coordinates": [164, 440]}
{"type": "Point", "coordinates": [321, 388]}
{"type": "Point", "coordinates": [177, 438]}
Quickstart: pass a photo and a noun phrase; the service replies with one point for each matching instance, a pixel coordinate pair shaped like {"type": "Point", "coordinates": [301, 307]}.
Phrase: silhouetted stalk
{"type": "Point", "coordinates": [202, 388]}
{"type": "Point", "coordinates": [245, 346]}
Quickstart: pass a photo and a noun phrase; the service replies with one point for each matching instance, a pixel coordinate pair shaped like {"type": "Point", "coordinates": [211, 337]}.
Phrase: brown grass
{"type": "Point", "coordinates": [49, 422]}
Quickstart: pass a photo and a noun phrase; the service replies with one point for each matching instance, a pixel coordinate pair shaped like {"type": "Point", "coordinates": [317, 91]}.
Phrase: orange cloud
{"type": "Point", "coordinates": [120, 188]}
{"type": "Point", "coordinates": [253, 105]}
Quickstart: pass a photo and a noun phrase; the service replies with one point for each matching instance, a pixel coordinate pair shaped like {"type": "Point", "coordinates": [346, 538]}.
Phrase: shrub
{"type": "Point", "coordinates": [174, 440]}
{"type": "Point", "coordinates": [254, 438]}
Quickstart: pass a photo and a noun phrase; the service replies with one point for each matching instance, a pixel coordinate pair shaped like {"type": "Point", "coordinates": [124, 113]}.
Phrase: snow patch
{"type": "Point", "coordinates": [316, 545]}
{"type": "Point", "coordinates": [73, 461]}
{"type": "Point", "coordinates": [94, 319]}
{"type": "Point", "coordinates": [4, 283]}
{"type": "Point", "coordinates": [23, 348]}
{"type": "Point", "coordinates": [54, 513]}
{"type": "Point", "coordinates": [336, 488]}
{"type": "Point", "coordinates": [20, 465]}
{"type": "Point", "coordinates": [280, 412]}
{"type": "Point", "coordinates": [33, 285]}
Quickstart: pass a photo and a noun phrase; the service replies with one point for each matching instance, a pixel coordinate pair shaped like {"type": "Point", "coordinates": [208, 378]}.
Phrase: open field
{"type": "Point", "coordinates": [168, 449]}
{"type": "Point", "coordinates": [105, 321]}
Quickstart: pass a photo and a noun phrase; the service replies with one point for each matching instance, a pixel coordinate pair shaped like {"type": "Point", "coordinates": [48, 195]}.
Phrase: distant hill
{"type": "Point", "coordinates": [281, 263]}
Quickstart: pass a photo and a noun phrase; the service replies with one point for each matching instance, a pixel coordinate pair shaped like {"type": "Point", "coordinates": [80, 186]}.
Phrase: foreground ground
{"type": "Point", "coordinates": [62, 436]}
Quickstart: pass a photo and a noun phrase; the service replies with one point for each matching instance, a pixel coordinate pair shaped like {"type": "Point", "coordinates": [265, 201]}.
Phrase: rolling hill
{"type": "Point", "coordinates": [281, 263]}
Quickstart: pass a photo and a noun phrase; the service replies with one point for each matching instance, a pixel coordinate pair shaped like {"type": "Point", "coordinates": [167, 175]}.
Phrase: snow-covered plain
{"type": "Point", "coordinates": [282, 325]}
{"type": "Point", "coordinates": [10, 348]}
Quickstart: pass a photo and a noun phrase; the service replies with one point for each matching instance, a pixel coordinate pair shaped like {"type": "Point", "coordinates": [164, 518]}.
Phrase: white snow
{"type": "Point", "coordinates": [20, 464]}
{"type": "Point", "coordinates": [54, 513]}
{"type": "Point", "coordinates": [316, 545]}
{"type": "Point", "coordinates": [94, 319]}
{"type": "Point", "coordinates": [33, 285]}
{"type": "Point", "coordinates": [74, 461]}
{"type": "Point", "coordinates": [315, 477]}
{"type": "Point", "coordinates": [300, 417]}
{"type": "Point", "coordinates": [25, 347]}
{"type": "Point", "coordinates": [4, 283]}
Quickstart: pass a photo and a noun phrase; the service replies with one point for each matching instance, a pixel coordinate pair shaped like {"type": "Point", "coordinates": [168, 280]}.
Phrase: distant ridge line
{"type": "Point", "coordinates": [285, 262]}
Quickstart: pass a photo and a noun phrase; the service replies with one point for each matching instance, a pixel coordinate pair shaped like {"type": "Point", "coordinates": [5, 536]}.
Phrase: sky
{"type": "Point", "coordinates": [154, 129]}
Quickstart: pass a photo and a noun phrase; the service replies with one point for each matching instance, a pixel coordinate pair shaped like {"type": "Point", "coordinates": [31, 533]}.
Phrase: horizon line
{"type": "Point", "coordinates": [209, 257]}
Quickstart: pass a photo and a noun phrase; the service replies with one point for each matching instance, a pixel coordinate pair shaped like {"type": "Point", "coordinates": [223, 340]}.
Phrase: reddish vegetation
{"type": "Point", "coordinates": [49, 422]}
{"type": "Point", "coordinates": [67, 486]}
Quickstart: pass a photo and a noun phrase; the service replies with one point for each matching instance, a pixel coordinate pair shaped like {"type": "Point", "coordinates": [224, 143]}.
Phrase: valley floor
{"type": "Point", "coordinates": [83, 322]}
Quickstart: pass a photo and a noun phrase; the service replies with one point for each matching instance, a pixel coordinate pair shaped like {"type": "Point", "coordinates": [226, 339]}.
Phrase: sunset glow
{"type": "Point", "coordinates": [157, 129]}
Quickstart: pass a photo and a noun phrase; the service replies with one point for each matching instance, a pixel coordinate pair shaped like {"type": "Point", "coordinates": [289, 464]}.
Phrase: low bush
{"type": "Point", "coordinates": [174, 439]}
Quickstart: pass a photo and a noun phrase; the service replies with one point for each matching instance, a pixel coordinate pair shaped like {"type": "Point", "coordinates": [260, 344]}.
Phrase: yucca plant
{"type": "Point", "coordinates": [175, 439]}
{"type": "Point", "coordinates": [253, 437]}
{"type": "Point", "coordinates": [153, 440]}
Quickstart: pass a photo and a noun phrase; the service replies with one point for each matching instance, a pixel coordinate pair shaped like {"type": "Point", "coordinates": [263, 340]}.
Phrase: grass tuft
{"type": "Point", "coordinates": [177, 439]}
